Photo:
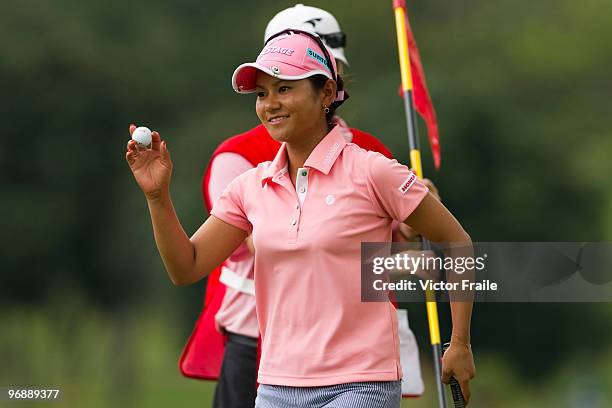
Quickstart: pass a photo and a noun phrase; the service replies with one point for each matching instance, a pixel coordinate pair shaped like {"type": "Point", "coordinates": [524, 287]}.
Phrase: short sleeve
{"type": "Point", "coordinates": [230, 206]}
{"type": "Point", "coordinates": [395, 190]}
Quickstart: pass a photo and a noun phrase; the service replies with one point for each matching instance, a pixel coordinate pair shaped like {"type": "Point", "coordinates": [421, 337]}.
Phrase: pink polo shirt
{"type": "Point", "coordinates": [315, 329]}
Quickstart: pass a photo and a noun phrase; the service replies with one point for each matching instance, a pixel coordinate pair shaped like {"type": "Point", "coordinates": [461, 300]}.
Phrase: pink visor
{"type": "Point", "coordinates": [290, 56]}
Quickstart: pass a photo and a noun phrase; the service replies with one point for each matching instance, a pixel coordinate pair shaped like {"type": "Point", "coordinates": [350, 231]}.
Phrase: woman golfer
{"type": "Point", "coordinates": [308, 212]}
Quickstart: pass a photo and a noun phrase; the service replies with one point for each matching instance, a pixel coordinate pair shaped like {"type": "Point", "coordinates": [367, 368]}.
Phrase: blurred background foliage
{"type": "Point", "coordinates": [522, 91]}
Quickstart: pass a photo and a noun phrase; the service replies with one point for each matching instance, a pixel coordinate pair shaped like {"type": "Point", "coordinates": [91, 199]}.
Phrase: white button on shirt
{"type": "Point", "coordinates": [301, 184]}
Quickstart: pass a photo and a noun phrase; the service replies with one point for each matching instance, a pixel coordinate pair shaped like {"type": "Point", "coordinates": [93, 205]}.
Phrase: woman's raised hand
{"type": "Point", "coordinates": [152, 168]}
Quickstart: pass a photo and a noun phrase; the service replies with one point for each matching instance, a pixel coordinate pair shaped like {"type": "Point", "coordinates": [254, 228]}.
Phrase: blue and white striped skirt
{"type": "Point", "coordinates": [378, 394]}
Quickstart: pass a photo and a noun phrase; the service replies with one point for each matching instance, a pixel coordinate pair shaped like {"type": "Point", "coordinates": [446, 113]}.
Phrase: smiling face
{"type": "Point", "coordinates": [292, 111]}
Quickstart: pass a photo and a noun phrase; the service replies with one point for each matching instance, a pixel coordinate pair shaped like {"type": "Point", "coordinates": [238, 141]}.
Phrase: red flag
{"type": "Point", "coordinates": [420, 96]}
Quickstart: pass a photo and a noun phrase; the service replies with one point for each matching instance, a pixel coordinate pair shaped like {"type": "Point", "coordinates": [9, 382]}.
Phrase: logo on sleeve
{"type": "Point", "coordinates": [408, 183]}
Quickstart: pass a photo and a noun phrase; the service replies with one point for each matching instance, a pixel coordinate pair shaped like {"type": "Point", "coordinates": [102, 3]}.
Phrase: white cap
{"type": "Point", "coordinates": [309, 19]}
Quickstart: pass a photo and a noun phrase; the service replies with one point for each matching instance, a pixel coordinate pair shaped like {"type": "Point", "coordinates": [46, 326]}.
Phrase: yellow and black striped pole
{"type": "Point", "coordinates": [399, 9]}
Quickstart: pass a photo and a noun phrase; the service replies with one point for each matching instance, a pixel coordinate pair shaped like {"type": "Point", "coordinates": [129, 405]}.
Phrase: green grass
{"type": "Point", "coordinates": [129, 358]}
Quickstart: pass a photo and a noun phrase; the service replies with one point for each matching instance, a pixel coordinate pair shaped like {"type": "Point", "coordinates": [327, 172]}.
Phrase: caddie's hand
{"type": "Point", "coordinates": [404, 233]}
{"type": "Point", "coordinates": [458, 362]}
{"type": "Point", "coordinates": [152, 168]}
{"type": "Point", "coordinates": [430, 185]}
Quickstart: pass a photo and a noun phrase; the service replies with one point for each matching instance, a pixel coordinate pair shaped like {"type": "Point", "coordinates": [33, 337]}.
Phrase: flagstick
{"type": "Point", "coordinates": [399, 7]}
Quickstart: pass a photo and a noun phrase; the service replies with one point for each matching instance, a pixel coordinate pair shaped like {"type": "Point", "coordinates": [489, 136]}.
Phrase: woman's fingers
{"type": "Point", "coordinates": [465, 390]}
{"type": "Point", "coordinates": [129, 156]}
{"type": "Point", "coordinates": [458, 362]}
{"type": "Point", "coordinates": [464, 384]}
{"type": "Point", "coordinates": [132, 128]}
{"type": "Point", "coordinates": [131, 145]}
{"type": "Point", "coordinates": [155, 140]}
{"type": "Point", "coordinates": [165, 154]}
{"type": "Point", "coordinates": [446, 374]}
{"type": "Point", "coordinates": [135, 146]}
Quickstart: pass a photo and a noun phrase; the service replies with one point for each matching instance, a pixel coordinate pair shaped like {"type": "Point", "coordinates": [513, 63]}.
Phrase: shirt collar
{"type": "Point", "coordinates": [346, 131]}
{"type": "Point", "coordinates": [278, 167]}
{"type": "Point", "coordinates": [321, 158]}
{"type": "Point", "coordinates": [327, 151]}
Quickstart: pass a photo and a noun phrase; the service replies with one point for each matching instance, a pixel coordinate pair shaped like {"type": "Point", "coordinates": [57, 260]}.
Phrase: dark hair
{"type": "Point", "coordinates": [318, 82]}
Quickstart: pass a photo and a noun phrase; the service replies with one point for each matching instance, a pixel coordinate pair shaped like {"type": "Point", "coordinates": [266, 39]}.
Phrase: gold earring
{"type": "Point", "coordinates": [325, 109]}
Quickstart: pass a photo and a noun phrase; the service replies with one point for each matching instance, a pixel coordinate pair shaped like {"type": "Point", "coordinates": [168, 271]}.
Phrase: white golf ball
{"type": "Point", "coordinates": [142, 136]}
